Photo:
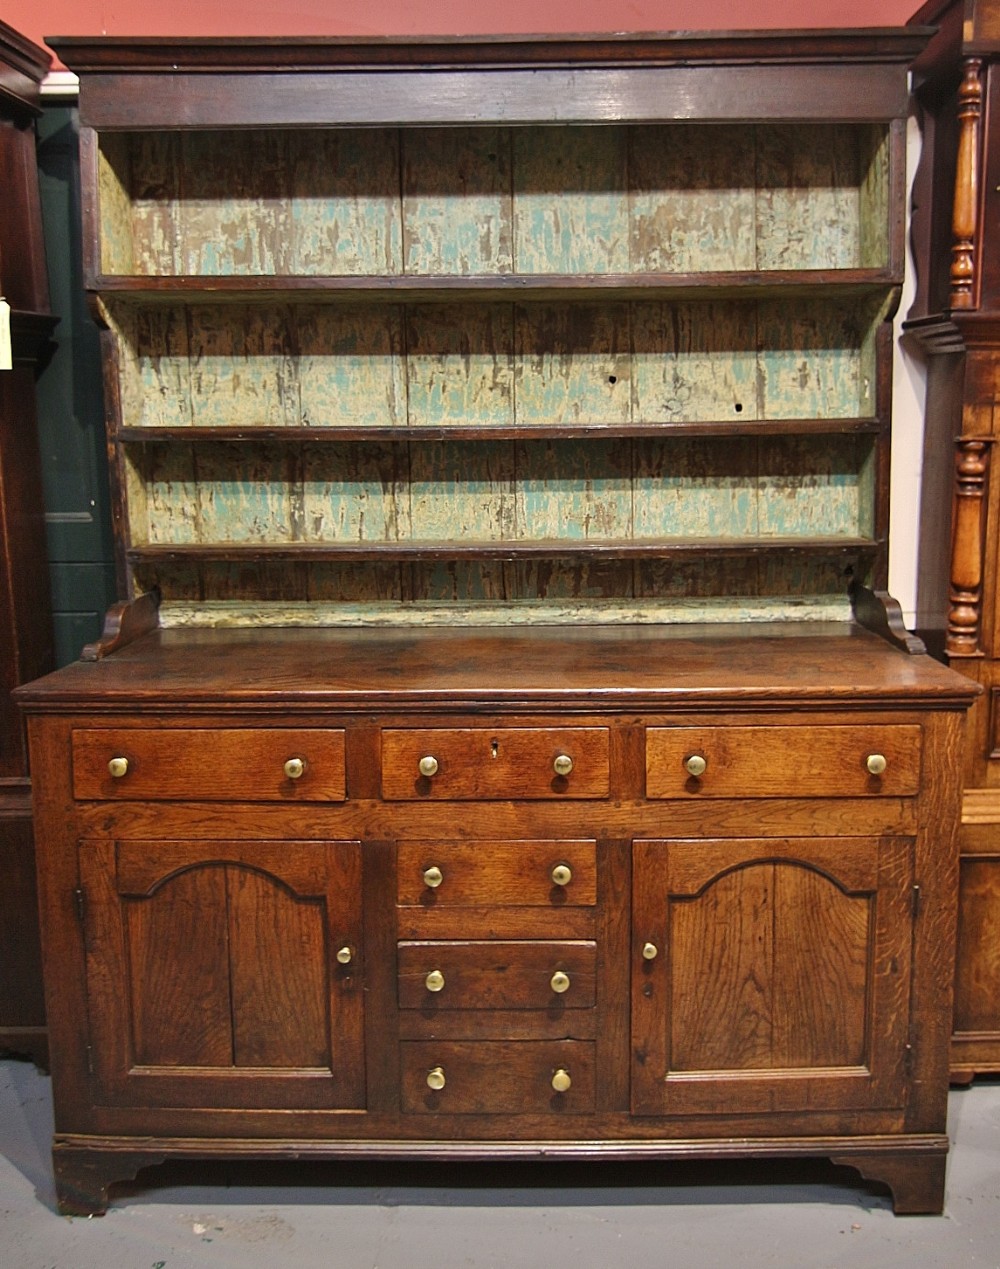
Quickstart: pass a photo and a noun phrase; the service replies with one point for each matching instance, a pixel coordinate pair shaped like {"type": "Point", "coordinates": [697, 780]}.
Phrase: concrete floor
{"type": "Point", "coordinates": [795, 1214]}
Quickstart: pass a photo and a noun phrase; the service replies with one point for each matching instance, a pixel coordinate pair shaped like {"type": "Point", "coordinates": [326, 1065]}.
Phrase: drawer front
{"type": "Point", "coordinates": [217, 764]}
{"type": "Point", "coordinates": [496, 874]}
{"type": "Point", "coordinates": [497, 1077]}
{"type": "Point", "coordinates": [783, 762]}
{"type": "Point", "coordinates": [497, 975]}
{"type": "Point", "coordinates": [474, 763]}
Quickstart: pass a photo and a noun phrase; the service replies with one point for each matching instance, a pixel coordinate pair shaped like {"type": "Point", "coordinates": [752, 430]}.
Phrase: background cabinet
{"type": "Point", "coordinates": [25, 612]}
{"type": "Point", "coordinates": [956, 319]}
{"type": "Point", "coordinates": [498, 437]}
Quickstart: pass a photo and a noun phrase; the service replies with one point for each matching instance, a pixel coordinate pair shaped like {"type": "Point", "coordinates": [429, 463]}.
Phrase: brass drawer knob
{"type": "Point", "coordinates": [563, 765]}
{"type": "Point", "coordinates": [561, 1081]}
{"type": "Point", "coordinates": [428, 766]}
{"type": "Point", "coordinates": [696, 765]}
{"type": "Point", "coordinates": [559, 982]}
{"type": "Point", "coordinates": [118, 767]}
{"type": "Point", "coordinates": [876, 763]}
{"type": "Point", "coordinates": [433, 877]}
{"type": "Point", "coordinates": [295, 768]}
{"type": "Point", "coordinates": [345, 955]}
{"type": "Point", "coordinates": [649, 951]}
{"type": "Point", "coordinates": [434, 981]}
{"type": "Point", "coordinates": [435, 1078]}
{"type": "Point", "coordinates": [561, 875]}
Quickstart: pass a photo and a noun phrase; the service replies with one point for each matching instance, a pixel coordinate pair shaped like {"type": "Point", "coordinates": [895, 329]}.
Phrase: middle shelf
{"type": "Point", "coordinates": [619, 363]}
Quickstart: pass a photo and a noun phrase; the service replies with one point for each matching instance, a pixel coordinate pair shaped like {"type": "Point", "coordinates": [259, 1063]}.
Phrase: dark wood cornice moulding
{"type": "Point", "coordinates": [954, 332]}
{"type": "Point", "coordinates": [86, 54]}
{"type": "Point", "coordinates": [23, 66]}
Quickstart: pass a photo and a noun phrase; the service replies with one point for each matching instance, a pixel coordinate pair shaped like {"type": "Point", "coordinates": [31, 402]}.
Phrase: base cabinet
{"type": "Point", "coordinates": [278, 927]}
{"type": "Point", "coordinates": [223, 972]}
{"type": "Point", "coordinates": [805, 1009]}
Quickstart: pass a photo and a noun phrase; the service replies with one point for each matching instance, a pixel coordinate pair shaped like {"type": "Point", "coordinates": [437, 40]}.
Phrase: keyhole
{"type": "Point", "coordinates": [494, 748]}
{"type": "Point", "coordinates": [738, 407]}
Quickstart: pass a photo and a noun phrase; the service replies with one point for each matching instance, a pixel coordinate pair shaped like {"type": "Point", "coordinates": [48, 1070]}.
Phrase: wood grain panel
{"type": "Point", "coordinates": [807, 209]}
{"type": "Point", "coordinates": [812, 486]}
{"type": "Point", "coordinates": [572, 364]}
{"type": "Point", "coordinates": [723, 937]}
{"type": "Point", "coordinates": [456, 582]}
{"type": "Point", "coordinates": [462, 492]}
{"type": "Point", "coordinates": [573, 492]}
{"type": "Point", "coordinates": [977, 980]}
{"type": "Point", "coordinates": [217, 764]}
{"type": "Point", "coordinates": [179, 1000]}
{"type": "Point", "coordinates": [168, 507]}
{"type": "Point", "coordinates": [493, 1077]}
{"type": "Point", "coordinates": [491, 200]}
{"type": "Point", "coordinates": [153, 173]}
{"type": "Point", "coordinates": [349, 366]}
{"type": "Point", "coordinates": [874, 156]}
{"type": "Point", "coordinates": [234, 212]}
{"type": "Point", "coordinates": [346, 216]}
{"type": "Point", "coordinates": [355, 493]}
{"type": "Point", "coordinates": [692, 362]}
{"type": "Point", "coordinates": [562, 578]}
{"type": "Point", "coordinates": [688, 488]}
{"type": "Point", "coordinates": [811, 361]}
{"type": "Point", "coordinates": [252, 500]}
{"type": "Point", "coordinates": [570, 210]}
{"type": "Point", "coordinates": [822, 969]}
{"type": "Point", "coordinates": [784, 993]}
{"type": "Point", "coordinates": [343, 583]}
{"type": "Point", "coordinates": [805, 761]}
{"type": "Point", "coordinates": [459, 364]}
{"type": "Point", "coordinates": [280, 974]}
{"type": "Point", "coordinates": [242, 369]}
{"type": "Point", "coordinates": [497, 975]}
{"type": "Point", "coordinates": [748, 985]}
{"type": "Point", "coordinates": [691, 198]}
{"type": "Point", "coordinates": [508, 762]}
{"type": "Point", "coordinates": [497, 873]}
{"type": "Point", "coordinates": [156, 381]}
{"type": "Point", "coordinates": [116, 246]}
{"type": "Point", "coordinates": [457, 201]}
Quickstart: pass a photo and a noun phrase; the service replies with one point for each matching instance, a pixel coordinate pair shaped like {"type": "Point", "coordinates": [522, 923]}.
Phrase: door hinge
{"type": "Point", "coordinates": [90, 1060]}
{"type": "Point", "coordinates": [908, 1059]}
{"type": "Point", "coordinates": [916, 900]}
{"type": "Point", "coordinates": [81, 905]}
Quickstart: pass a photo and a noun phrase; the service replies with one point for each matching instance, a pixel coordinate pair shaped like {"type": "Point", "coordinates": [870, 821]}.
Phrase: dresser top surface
{"type": "Point", "coordinates": [527, 668]}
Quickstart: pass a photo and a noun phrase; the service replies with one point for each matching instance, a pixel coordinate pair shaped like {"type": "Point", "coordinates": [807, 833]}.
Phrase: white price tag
{"type": "Point", "coordinates": [6, 359]}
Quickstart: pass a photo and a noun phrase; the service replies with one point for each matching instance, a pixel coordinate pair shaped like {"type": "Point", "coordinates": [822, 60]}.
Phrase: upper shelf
{"type": "Point", "coordinates": [415, 288]}
{"type": "Point", "coordinates": [428, 213]}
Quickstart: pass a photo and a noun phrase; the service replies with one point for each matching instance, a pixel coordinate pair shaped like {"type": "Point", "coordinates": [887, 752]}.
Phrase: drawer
{"type": "Point", "coordinates": [509, 763]}
{"type": "Point", "coordinates": [496, 874]}
{"type": "Point", "coordinates": [497, 975]}
{"type": "Point", "coordinates": [783, 762]}
{"type": "Point", "coordinates": [497, 1076]}
{"type": "Point", "coordinates": [210, 764]}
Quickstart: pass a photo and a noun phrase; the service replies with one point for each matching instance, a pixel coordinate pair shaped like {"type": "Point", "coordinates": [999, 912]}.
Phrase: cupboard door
{"type": "Point", "coordinates": [770, 975]}
{"type": "Point", "coordinates": [225, 973]}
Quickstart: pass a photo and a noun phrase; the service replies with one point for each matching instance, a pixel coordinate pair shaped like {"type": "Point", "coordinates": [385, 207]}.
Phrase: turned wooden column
{"type": "Point", "coordinates": [966, 210]}
{"type": "Point", "coordinates": [968, 548]}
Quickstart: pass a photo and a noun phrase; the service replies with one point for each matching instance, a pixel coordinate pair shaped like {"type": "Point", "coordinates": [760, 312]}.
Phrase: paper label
{"type": "Point", "coordinates": [6, 359]}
